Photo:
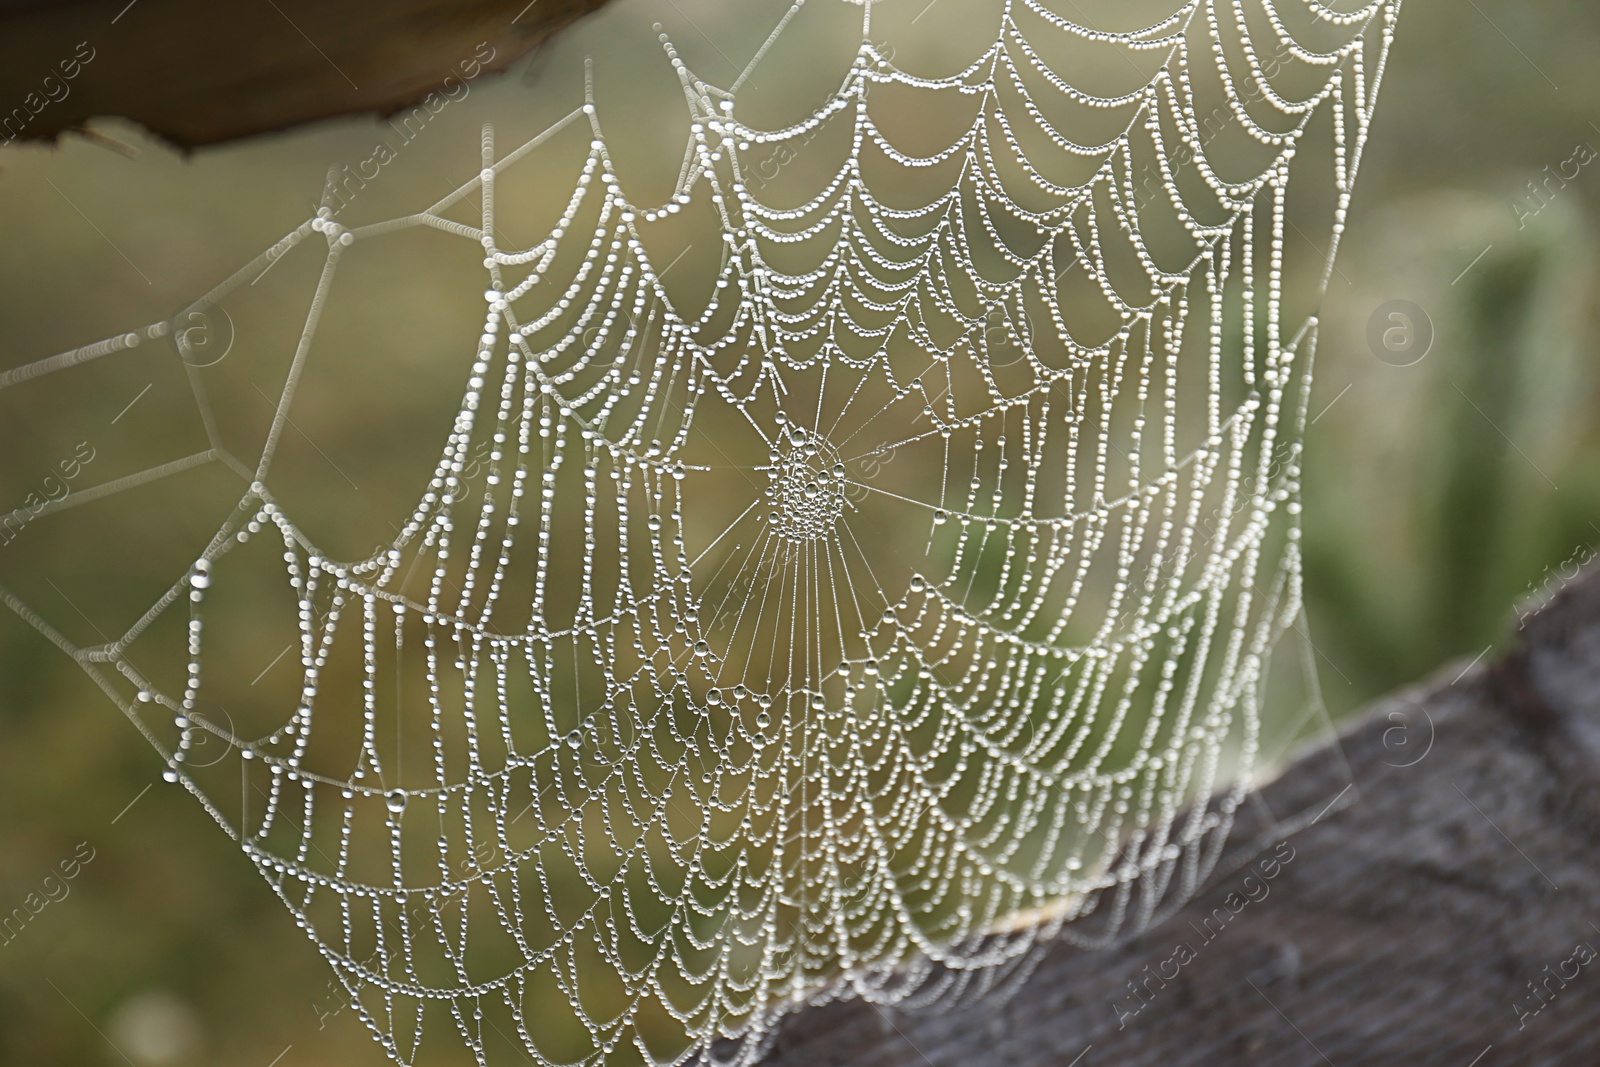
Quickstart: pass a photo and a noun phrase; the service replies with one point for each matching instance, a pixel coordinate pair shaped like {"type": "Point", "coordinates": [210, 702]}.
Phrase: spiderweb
{"type": "Point", "coordinates": [853, 625]}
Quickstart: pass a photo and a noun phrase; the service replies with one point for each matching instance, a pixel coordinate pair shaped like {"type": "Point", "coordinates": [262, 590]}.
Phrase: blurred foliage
{"type": "Point", "coordinates": [1439, 495]}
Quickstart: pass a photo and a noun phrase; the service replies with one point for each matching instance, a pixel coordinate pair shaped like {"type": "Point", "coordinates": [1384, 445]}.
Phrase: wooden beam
{"type": "Point", "coordinates": [196, 72]}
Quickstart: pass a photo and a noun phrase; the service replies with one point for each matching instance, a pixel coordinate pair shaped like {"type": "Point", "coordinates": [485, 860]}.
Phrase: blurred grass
{"type": "Point", "coordinates": [1437, 495]}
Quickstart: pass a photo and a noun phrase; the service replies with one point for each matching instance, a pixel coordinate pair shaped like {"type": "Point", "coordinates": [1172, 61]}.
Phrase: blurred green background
{"type": "Point", "coordinates": [1439, 495]}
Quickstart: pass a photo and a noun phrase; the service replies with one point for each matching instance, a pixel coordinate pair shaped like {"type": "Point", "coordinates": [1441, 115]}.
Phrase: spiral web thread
{"type": "Point", "coordinates": [706, 738]}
